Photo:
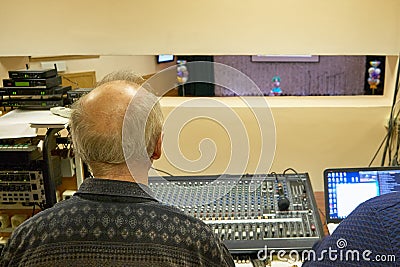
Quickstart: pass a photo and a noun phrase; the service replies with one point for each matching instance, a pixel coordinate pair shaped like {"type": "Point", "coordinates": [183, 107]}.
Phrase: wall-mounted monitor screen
{"type": "Point", "coordinates": [165, 58]}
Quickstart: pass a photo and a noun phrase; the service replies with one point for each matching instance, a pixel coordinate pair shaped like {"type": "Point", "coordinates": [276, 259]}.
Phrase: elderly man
{"type": "Point", "coordinates": [113, 220]}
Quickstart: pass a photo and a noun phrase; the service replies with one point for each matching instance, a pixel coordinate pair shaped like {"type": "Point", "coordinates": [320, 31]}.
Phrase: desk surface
{"type": "Point", "coordinates": [320, 199]}
{"type": "Point", "coordinates": [18, 123]}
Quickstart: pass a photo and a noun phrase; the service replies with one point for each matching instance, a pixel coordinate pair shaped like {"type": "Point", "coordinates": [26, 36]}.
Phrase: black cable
{"type": "Point", "coordinates": [390, 128]}
{"type": "Point", "coordinates": [290, 169]}
{"type": "Point", "coordinates": [299, 180]}
{"type": "Point", "coordinates": [33, 209]}
{"type": "Point", "coordinates": [73, 82]}
{"type": "Point", "coordinates": [41, 206]}
{"type": "Point", "coordinates": [387, 144]}
{"type": "Point", "coordinates": [387, 149]}
{"type": "Point", "coordinates": [161, 171]}
{"type": "Point", "coordinates": [324, 221]}
{"type": "Point", "coordinates": [323, 213]}
{"type": "Point", "coordinates": [390, 134]}
{"type": "Point", "coordinates": [379, 148]}
{"type": "Point", "coordinates": [391, 144]}
{"type": "Point", "coordinates": [396, 155]}
{"type": "Point", "coordinates": [391, 141]}
{"type": "Point", "coordinates": [276, 176]}
{"type": "Point", "coordinates": [383, 141]}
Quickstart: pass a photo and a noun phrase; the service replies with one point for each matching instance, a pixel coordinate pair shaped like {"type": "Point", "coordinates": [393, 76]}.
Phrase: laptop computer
{"type": "Point", "coordinates": [346, 188]}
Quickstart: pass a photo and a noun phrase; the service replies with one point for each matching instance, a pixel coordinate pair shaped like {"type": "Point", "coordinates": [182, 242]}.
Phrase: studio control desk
{"type": "Point", "coordinates": [250, 213]}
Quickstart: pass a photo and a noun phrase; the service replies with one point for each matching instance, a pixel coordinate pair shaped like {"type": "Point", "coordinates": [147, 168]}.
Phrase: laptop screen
{"type": "Point", "coordinates": [346, 188]}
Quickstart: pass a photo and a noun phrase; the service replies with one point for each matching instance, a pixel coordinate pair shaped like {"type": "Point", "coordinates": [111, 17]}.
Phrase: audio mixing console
{"type": "Point", "coordinates": [250, 212]}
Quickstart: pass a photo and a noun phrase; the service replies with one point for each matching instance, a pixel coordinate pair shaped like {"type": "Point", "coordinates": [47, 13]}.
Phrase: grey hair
{"type": "Point", "coordinates": [143, 116]}
{"type": "Point", "coordinates": [122, 75]}
{"type": "Point", "coordinates": [132, 134]}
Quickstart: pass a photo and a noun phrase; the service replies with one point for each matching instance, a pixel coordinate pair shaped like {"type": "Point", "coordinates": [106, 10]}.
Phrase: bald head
{"type": "Point", "coordinates": [106, 105]}
{"type": "Point", "coordinates": [119, 91]}
{"type": "Point", "coordinates": [115, 122]}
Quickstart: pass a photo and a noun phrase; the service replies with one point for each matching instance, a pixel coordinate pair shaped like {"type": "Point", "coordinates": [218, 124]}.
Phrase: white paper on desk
{"type": "Point", "coordinates": [17, 123]}
{"type": "Point", "coordinates": [48, 119]}
{"type": "Point", "coordinates": [16, 130]}
{"type": "Point", "coordinates": [14, 125]}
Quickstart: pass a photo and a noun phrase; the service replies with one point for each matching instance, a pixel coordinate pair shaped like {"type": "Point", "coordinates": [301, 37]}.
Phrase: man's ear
{"type": "Point", "coordinates": [157, 149]}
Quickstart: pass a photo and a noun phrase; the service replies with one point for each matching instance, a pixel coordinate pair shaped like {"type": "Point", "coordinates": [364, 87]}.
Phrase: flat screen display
{"type": "Point", "coordinates": [165, 58]}
{"type": "Point", "coordinates": [345, 189]}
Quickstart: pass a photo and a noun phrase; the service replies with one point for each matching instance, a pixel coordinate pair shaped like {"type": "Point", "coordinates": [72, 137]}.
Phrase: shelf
{"type": "Point", "coordinates": [5, 206]}
{"type": "Point", "coordinates": [7, 230]}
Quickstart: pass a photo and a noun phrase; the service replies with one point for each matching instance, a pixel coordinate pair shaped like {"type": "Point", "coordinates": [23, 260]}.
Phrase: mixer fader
{"type": "Point", "coordinates": [249, 212]}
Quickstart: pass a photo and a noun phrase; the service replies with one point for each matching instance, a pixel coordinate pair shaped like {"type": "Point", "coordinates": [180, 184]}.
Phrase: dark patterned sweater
{"type": "Point", "coordinates": [371, 231]}
{"type": "Point", "coordinates": [113, 223]}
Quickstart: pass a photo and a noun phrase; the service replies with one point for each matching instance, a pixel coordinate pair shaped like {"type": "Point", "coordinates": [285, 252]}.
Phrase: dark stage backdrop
{"type": "Point", "coordinates": [331, 75]}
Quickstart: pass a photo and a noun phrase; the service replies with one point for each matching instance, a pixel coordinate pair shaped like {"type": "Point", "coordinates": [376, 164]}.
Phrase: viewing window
{"type": "Point", "coordinates": [318, 76]}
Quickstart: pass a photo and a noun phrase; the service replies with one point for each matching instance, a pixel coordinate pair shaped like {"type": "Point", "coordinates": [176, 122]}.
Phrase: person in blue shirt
{"type": "Point", "coordinates": [369, 236]}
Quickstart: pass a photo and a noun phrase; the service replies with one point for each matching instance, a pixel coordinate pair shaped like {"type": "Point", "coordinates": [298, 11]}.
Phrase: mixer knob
{"type": "Point", "coordinates": [236, 235]}
{"type": "Point", "coordinates": [251, 235]}
{"type": "Point", "coordinates": [266, 232]}
{"type": "Point", "coordinates": [229, 234]}
{"type": "Point", "coordinates": [281, 229]}
{"type": "Point", "coordinates": [301, 234]}
{"type": "Point", "coordinates": [283, 203]}
{"type": "Point", "coordinates": [244, 234]}
{"type": "Point", "coordinates": [288, 233]}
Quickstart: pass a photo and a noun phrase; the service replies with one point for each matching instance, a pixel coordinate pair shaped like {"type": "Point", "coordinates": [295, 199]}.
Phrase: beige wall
{"type": "Point", "coordinates": [106, 64]}
{"type": "Point", "coordinates": [313, 139]}
{"type": "Point", "coordinates": [200, 27]}
{"type": "Point", "coordinates": [308, 139]}
{"type": "Point", "coordinates": [11, 63]}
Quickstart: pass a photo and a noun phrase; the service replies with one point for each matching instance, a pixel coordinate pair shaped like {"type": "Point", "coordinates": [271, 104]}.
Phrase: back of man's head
{"type": "Point", "coordinates": [117, 122]}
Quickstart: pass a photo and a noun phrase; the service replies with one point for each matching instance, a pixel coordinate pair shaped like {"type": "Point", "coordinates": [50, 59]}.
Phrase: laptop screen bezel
{"type": "Point", "coordinates": [352, 169]}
